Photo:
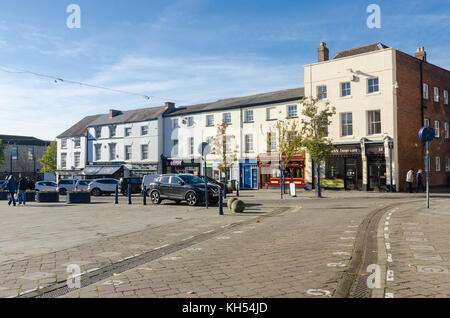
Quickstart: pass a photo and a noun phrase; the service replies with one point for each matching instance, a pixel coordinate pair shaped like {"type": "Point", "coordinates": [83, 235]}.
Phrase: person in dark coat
{"type": "Point", "coordinates": [23, 186]}
{"type": "Point", "coordinates": [31, 184]}
{"type": "Point", "coordinates": [11, 186]}
{"type": "Point", "coordinates": [419, 178]}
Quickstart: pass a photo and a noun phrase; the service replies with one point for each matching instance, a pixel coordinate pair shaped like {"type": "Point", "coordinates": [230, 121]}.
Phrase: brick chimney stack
{"type": "Point", "coordinates": [113, 113]}
{"type": "Point", "coordinates": [170, 106]}
{"type": "Point", "coordinates": [323, 52]}
{"type": "Point", "coordinates": [421, 54]}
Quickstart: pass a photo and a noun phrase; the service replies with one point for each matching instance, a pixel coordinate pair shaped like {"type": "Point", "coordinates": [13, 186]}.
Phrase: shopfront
{"type": "Point", "coordinates": [376, 165]}
{"type": "Point", "coordinates": [182, 166]}
{"type": "Point", "coordinates": [140, 170]}
{"type": "Point", "coordinates": [343, 170]}
{"type": "Point", "coordinates": [248, 171]}
{"type": "Point", "coordinates": [269, 171]}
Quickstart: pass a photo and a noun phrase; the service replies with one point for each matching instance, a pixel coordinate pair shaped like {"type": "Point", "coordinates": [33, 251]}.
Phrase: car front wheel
{"type": "Point", "coordinates": [191, 199]}
{"type": "Point", "coordinates": [155, 197]}
{"type": "Point", "coordinates": [96, 192]}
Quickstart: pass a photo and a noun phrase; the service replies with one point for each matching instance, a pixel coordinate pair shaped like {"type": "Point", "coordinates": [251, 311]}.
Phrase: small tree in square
{"type": "Point", "coordinates": [49, 158]}
{"type": "Point", "coordinates": [315, 122]}
{"type": "Point", "coordinates": [221, 147]}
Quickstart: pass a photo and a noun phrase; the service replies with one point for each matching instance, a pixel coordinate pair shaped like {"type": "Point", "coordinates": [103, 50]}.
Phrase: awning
{"type": "Point", "coordinates": [100, 171]}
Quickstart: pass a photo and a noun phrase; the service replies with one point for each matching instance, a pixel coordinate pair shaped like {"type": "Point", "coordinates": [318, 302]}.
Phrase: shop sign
{"type": "Point", "coordinates": [347, 150]}
{"type": "Point", "coordinates": [377, 149]}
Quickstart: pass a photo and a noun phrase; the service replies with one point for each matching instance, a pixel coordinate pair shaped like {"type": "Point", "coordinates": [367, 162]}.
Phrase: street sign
{"type": "Point", "coordinates": [426, 134]}
{"type": "Point", "coordinates": [283, 157]}
{"type": "Point", "coordinates": [204, 149]}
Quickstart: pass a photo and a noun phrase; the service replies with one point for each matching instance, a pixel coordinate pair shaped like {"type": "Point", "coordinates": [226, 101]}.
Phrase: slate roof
{"type": "Point", "coordinates": [360, 50]}
{"type": "Point", "coordinates": [129, 116]}
{"type": "Point", "coordinates": [80, 128]}
{"type": "Point", "coordinates": [245, 101]}
{"type": "Point", "coordinates": [23, 140]}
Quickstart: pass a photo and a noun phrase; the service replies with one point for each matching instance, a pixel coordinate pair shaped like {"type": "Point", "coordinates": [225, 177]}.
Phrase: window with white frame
{"type": "Point", "coordinates": [271, 113]}
{"type": "Point", "coordinates": [292, 111]}
{"type": "Point", "coordinates": [144, 130]}
{"type": "Point", "coordinates": [373, 85]}
{"type": "Point", "coordinates": [98, 132]}
{"type": "Point", "coordinates": [437, 130]}
{"type": "Point", "coordinates": [445, 97]}
{"type": "Point", "coordinates": [447, 164]}
{"type": "Point", "coordinates": [190, 121]}
{"type": "Point", "coordinates": [175, 123]}
{"type": "Point", "coordinates": [112, 131]}
{"type": "Point", "coordinates": [248, 116]}
{"type": "Point", "coordinates": [271, 142]}
{"type": "Point", "coordinates": [227, 146]}
{"type": "Point", "coordinates": [210, 121]}
{"type": "Point", "coordinates": [346, 124]}
{"type": "Point", "coordinates": [248, 143]}
{"type": "Point", "coordinates": [322, 92]}
{"type": "Point", "coordinates": [128, 131]}
{"type": "Point", "coordinates": [425, 91]}
{"type": "Point", "coordinates": [227, 118]}
{"type": "Point", "coordinates": [63, 143]}
{"type": "Point", "coordinates": [112, 151]}
{"type": "Point", "coordinates": [98, 152]}
{"type": "Point", "coordinates": [63, 160]}
{"type": "Point", "coordinates": [436, 94]}
{"type": "Point", "coordinates": [446, 131]}
{"type": "Point", "coordinates": [128, 152]}
{"type": "Point", "coordinates": [438, 164]}
{"type": "Point", "coordinates": [191, 145]}
{"type": "Point", "coordinates": [77, 143]}
{"type": "Point", "coordinates": [426, 122]}
{"type": "Point", "coordinates": [30, 153]}
{"type": "Point", "coordinates": [346, 89]}
{"type": "Point", "coordinates": [175, 147]}
{"type": "Point", "coordinates": [144, 152]}
{"type": "Point", "coordinates": [374, 122]}
{"type": "Point", "coordinates": [77, 159]}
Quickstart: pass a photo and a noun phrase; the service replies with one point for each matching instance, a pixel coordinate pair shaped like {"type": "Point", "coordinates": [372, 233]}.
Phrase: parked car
{"type": "Point", "coordinates": [220, 184]}
{"type": "Point", "coordinates": [183, 187]}
{"type": "Point", "coordinates": [45, 186]}
{"type": "Point", "coordinates": [135, 185]}
{"type": "Point", "coordinates": [147, 180]}
{"type": "Point", "coordinates": [64, 186]}
{"type": "Point", "coordinates": [99, 187]}
{"type": "Point", "coordinates": [82, 185]}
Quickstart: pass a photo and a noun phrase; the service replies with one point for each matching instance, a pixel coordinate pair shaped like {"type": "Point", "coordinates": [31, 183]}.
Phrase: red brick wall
{"type": "Point", "coordinates": [411, 150]}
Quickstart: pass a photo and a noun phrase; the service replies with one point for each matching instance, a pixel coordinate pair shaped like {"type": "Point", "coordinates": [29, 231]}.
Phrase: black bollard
{"type": "Point", "coordinates": [220, 202]}
{"type": "Point", "coordinates": [144, 196]}
{"type": "Point", "coordinates": [116, 199]}
{"type": "Point", "coordinates": [129, 193]}
{"type": "Point", "coordinates": [237, 188]}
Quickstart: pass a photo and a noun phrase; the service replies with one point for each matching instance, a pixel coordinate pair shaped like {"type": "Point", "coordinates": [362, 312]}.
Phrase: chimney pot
{"type": "Point", "coordinates": [170, 106]}
{"type": "Point", "coordinates": [323, 52]}
{"type": "Point", "coordinates": [421, 54]}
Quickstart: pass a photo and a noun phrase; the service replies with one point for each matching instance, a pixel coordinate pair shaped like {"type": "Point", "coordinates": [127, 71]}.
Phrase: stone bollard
{"type": "Point", "coordinates": [230, 202]}
{"type": "Point", "coordinates": [238, 206]}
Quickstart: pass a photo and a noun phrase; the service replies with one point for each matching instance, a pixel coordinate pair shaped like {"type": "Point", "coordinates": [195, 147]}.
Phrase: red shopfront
{"type": "Point", "coordinates": [269, 171]}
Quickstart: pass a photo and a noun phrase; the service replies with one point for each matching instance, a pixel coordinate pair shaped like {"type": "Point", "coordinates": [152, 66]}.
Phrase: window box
{"type": "Point", "coordinates": [47, 197]}
{"type": "Point", "coordinates": [78, 197]}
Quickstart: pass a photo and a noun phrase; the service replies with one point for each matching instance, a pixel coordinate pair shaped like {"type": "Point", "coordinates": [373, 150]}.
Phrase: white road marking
{"type": "Point", "coordinates": [347, 238]}
{"type": "Point", "coordinates": [341, 253]}
{"type": "Point", "coordinates": [319, 292]}
{"type": "Point", "coordinates": [188, 238]}
{"type": "Point", "coordinates": [386, 229]}
{"type": "Point", "coordinates": [388, 246]}
{"type": "Point", "coordinates": [390, 276]}
{"type": "Point", "coordinates": [336, 265]}
{"type": "Point", "coordinates": [386, 223]}
{"type": "Point", "coordinates": [158, 248]}
{"type": "Point", "coordinates": [93, 270]}
{"type": "Point", "coordinates": [386, 236]}
{"type": "Point", "coordinates": [389, 295]}
{"type": "Point", "coordinates": [208, 232]}
{"type": "Point", "coordinates": [389, 258]}
{"type": "Point", "coordinates": [350, 232]}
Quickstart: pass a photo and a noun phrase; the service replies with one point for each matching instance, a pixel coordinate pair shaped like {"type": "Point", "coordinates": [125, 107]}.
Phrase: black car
{"type": "Point", "coordinates": [183, 187]}
{"type": "Point", "coordinates": [135, 185]}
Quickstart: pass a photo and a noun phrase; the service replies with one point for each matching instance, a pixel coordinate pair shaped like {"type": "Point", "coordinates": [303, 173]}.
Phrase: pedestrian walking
{"type": "Point", "coordinates": [31, 184]}
{"type": "Point", "coordinates": [23, 185]}
{"type": "Point", "coordinates": [410, 180]}
{"type": "Point", "coordinates": [11, 186]}
{"type": "Point", "coordinates": [419, 179]}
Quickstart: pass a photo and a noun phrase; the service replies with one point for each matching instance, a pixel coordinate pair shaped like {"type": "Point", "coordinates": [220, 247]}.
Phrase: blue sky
{"type": "Point", "coordinates": [186, 51]}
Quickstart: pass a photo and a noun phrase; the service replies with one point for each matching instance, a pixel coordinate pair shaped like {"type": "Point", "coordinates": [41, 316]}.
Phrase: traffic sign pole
{"type": "Point", "coordinates": [428, 174]}
{"type": "Point", "coordinates": [427, 134]}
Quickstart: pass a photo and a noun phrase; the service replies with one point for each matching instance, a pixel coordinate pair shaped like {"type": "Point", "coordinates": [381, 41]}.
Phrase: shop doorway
{"type": "Point", "coordinates": [353, 173]}
{"type": "Point", "coordinates": [377, 175]}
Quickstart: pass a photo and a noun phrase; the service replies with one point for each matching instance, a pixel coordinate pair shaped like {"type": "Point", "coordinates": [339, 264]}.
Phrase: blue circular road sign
{"type": "Point", "coordinates": [426, 134]}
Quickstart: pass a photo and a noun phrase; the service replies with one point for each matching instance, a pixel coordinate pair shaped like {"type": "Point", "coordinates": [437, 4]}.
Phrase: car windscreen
{"type": "Point", "coordinates": [191, 179]}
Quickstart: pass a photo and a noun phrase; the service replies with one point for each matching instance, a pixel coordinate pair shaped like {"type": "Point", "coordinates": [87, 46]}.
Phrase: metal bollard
{"type": "Point", "coordinates": [144, 195]}
{"type": "Point", "coordinates": [116, 199]}
{"type": "Point", "coordinates": [220, 202]}
{"type": "Point", "coordinates": [237, 189]}
{"type": "Point", "coordinates": [129, 193]}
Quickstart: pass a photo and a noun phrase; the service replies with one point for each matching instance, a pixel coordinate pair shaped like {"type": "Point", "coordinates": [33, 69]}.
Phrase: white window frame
{"type": "Point", "coordinates": [425, 91]}
{"type": "Point", "coordinates": [349, 89]}
{"type": "Point", "coordinates": [249, 116]}
{"type": "Point", "coordinates": [144, 154]}
{"type": "Point", "coordinates": [191, 146]}
{"type": "Point", "coordinates": [272, 142]}
{"type": "Point", "coordinates": [175, 123]}
{"type": "Point", "coordinates": [446, 130]}
{"type": "Point", "coordinates": [98, 132]}
{"type": "Point", "coordinates": [98, 152]}
{"type": "Point", "coordinates": [144, 130]}
{"type": "Point", "coordinates": [438, 164]}
{"type": "Point", "coordinates": [112, 131]}
{"type": "Point", "coordinates": [175, 144]}
{"type": "Point", "coordinates": [77, 159]}
{"type": "Point", "coordinates": [209, 120]}
{"type": "Point", "coordinates": [292, 113]}
{"type": "Point", "coordinates": [322, 92]}
{"type": "Point", "coordinates": [126, 130]}
{"type": "Point", "coordinates": [447, 164]}
{"type": "Point", "coordinates": [112, 151]}
{"type": "Point", "coordinates": [30, 151]}
{"type": "Point", "coordinates": [248, 142]}
{"type": "Point", "coordinates": [377, 85]}
{"type": "Point", "coordinates": [445, 97]}
{"type": "Point", "coordinates": [64, 143]}
{"type": "Point", "coordinates": [190, 121]}
{"type": "Point", "coordinates": [369, 124]}
{"type": "Point", "coordinates": [128, 158]}
{"type": "Point", "coordinates": [426, 122]}
{"type": "Point", "coordinates": [77, 143]}
{"type": "Point", "coordinates": [225, 116]}
{"type": "Point", "coordinates": [346, 124]}
{"type": "Point", "coordinates": [436, 94]}
{"type": "Point", "coordinates": [268, 113]}
{"type": "Point", "coordinates": [437, 129]}
{"type": "Point", "coordinates": [63, 160]}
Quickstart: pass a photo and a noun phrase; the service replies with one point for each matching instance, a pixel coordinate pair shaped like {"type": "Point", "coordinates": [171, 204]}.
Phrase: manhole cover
{"type": "Point", "coordinates": [432, 269]}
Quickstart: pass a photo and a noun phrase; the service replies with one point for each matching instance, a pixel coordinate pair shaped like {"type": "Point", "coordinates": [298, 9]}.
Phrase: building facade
{"type": "Point", "coordinates": [22, 155]}
{"type": "Point", "coordinates": [377, 94]}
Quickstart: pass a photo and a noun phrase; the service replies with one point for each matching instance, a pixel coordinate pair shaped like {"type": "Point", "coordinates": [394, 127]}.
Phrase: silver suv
{"type": "Point", "coordinates": [64, 186]}
{"type": "Point", "coordinates": [102, 186]}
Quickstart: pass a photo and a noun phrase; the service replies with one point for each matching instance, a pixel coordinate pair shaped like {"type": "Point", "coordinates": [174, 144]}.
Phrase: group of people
{"type": "Point", "coordinates": [419, 181]}
{"type": "Point", "coordinates": [20, 187]}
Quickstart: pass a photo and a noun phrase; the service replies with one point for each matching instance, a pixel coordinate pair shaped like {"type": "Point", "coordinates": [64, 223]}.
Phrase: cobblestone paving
{"type": "Point", "coordinates": [299, 253]}
{"type": "Point", "coordinates": [418, 251]}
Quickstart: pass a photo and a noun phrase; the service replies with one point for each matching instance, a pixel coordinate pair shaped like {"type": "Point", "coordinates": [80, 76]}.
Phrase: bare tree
{"type": "Point", "coordinates": [222, 147]}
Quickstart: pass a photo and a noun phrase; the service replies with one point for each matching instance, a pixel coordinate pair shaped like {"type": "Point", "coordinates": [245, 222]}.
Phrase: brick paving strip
{"type": "Point", "coordinates": [418, 261]}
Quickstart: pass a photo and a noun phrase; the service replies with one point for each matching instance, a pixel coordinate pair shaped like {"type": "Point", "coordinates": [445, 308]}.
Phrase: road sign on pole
{"type": "Point", "coordinates": [427, 134]}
